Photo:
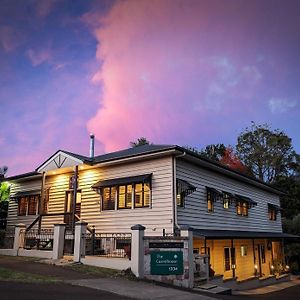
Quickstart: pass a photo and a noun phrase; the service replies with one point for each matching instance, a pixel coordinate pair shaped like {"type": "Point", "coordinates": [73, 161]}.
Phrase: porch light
{"type": "Point", "coordinates": [287, 267]}
{"type": "Point", "coordinates": [233, 266]}
{"type": "Point", "coordinates": [272, 267]}
{"type": "Point", "coordinates": [255, 267]}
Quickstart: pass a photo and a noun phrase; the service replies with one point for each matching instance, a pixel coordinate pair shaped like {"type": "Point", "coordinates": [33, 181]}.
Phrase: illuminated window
{"type": "Point", "coordinates": [244, 250]}
{"type": "Point", "coordinates": [210, 202]}
{"type": "Point", "coordinates": [272, 214]}
{"type": "Point", "coordinates": [125, 196]}
{"type": "Point", "coordinates": [141, 195]}
{"type": "Point", "coordinates": [226, 200]}
{"type": "Point", "coordinates": [109, 198]}
{"type": "Point", "coordinates": [242, 208]}
{"type": "Point", "coordinates": [32, 204]}
{"type": "Point", "coordinates": [229, 258]}
{"type": "Point", "coordinates": [183, 189]}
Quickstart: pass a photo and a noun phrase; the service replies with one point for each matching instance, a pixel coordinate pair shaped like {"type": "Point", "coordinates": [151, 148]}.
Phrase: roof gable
{"type": "Point", "coordinates": [60, 159]}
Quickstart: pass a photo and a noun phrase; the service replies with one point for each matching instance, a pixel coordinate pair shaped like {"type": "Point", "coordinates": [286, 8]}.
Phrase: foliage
{"type": "Point", "coordinates": [267, 153]}
{"type": "Point", "coordinates": [4, 191]}
{"type": "Point", "coordinates": [214, 151]}
{"type": "Point", "coordinates": [139, 142]}
{"type": "Point", "coordinates": [292, 250]}
{"type": "Point", "coordinates": [230, 160]}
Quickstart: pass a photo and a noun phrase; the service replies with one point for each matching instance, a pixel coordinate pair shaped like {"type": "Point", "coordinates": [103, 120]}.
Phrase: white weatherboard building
{"type": "Point", "coordinates": [236, 219]}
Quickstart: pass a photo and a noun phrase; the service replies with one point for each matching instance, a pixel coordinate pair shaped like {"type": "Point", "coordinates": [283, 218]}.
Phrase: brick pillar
{"type": "Point", "coordinates": [79, 244]}
{"type": "Point", "coordinates": [186, 231]}
{"type": "Point", "coordinates": [137, 250]}
{"type": "Point", "coordinates": [58, 240]}
{"type": "Point", "coordinates": [19, 240]}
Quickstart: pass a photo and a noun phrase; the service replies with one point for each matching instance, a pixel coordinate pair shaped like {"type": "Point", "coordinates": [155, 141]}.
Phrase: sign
{"type": "Point", "coordinates": [166, 245]}
{"type": "Point", "coordinates": [166, 263]}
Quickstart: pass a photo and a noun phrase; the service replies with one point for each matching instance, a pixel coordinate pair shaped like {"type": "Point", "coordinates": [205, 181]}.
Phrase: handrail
{"type": "Point", "coordinates": [91, 230]}
{"type": "Point", "coordinates": [33, 223]}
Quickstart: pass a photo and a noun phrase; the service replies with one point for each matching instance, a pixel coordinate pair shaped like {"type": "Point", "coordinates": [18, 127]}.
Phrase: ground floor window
{"type": "Point", "coordinates": [229, 258]}
{"type": "Point", "coordinates": [28, 205]}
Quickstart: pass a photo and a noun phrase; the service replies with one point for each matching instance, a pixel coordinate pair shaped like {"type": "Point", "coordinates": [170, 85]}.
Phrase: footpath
{"type": "Point", "coordinates": [120, 286]}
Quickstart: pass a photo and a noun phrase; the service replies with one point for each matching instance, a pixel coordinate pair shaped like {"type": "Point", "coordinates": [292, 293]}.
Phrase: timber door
{"type": "Point", "coordinates": [69, 203]}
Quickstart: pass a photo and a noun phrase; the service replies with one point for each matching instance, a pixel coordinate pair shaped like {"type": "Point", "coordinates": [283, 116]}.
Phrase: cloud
{"type": "Point", "coordinates": [38, 57]}
{"type": "Point", "coordinates": [10, 39]}
{"type": "Point", "coordinates": [281, 105]}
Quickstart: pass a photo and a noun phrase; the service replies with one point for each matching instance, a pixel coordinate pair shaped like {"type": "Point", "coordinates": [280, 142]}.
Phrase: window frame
{"type": "Point", "coordinates": [133, 205]}
{"type": "Point", "coordinates": [210, 202]}
{"type": "Point", "coordinates": [226, 200]}
{"type": "Point", "coordinates": [125, 196]}
{"type": "Point", "coordinates": [272, 214]}
{"type": "Point", "coordinates": [242, 208]}
{"type": "Point", "coordinates": [26, 203]}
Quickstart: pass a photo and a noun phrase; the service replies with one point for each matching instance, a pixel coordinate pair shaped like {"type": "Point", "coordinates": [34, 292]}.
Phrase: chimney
{"type": "Point", "coordinates": [92, 145]}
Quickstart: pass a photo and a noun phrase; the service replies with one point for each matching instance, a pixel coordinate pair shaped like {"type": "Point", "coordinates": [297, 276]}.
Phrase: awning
{"type": "Point", "coordinates": [232, 234]}
{"type": "Point", "coordinates": [250, 202]}
{"type": "Point", "coordinates": [124, 180]}
{"type": "Point", "coordinates": [184, 188]}
{"type": "Point", "coordinates": [275, 207]}
{"type": "Point", "coordinates": [26, 193]}
{"type": "Point", "coordinates": [215, 194]}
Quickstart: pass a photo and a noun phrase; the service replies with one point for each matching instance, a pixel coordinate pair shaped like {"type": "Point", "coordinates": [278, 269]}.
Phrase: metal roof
{"type": "Point", "coordinates": [234, 234]}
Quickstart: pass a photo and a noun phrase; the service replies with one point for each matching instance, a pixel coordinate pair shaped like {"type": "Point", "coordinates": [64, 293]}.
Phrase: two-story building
{"type": "Point", "coordinates": [236, 219]}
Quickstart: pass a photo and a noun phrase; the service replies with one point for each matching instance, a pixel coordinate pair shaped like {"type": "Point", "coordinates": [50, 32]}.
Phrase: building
{"type": "Point", "coordinates": [236, 219]}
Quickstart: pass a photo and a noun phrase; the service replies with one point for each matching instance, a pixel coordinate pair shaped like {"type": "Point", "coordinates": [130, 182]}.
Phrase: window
{"type": "Point", "coordinates": [27, 205]}
{"type": "Point", "coordinates": [229, 258]}
{"type": "Point", "coordinates": [125, 196]}
{"type": "Point", "coordinates": [32, 205]}
{"type": "Point", "coordinates": [272, 214]}
{"type": "Point", "coordinates": [142, 195]}
{"type": "Point", "coordinates": [244, 250]}
{"type": "Point", "coordinates": [210, 202]}
{"type": "Point", "coordinates": [22, 206]}
{"type": "Point", "coordinates": [109, 198]}
{"type": "Point", "coordinates": [242, 208]}
{"type": "Point", "coordinates": [262, 253]}
{"type": "Point", "coordinates": [226, 200]}
{"type": "Point", "coordinates": [183, 189]}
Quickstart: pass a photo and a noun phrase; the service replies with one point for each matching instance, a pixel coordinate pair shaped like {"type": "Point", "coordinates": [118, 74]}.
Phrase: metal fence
{"type": "Point", "coordinates": [69, 242]}
{"type": "Point", "coordinates": [108, 244]}
{"type": "Point", "coordinates": [39, 239]}
{"type": "Point", "coordinates": [7, 237]}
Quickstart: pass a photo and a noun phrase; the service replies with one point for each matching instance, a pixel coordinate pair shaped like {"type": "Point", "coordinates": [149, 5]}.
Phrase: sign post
{"type": "Point", "coordinates": [166, 263]}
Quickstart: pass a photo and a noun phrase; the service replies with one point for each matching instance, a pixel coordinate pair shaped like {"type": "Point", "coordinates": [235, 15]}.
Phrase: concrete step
{"type": "Point", "coordinates": [212, 289]}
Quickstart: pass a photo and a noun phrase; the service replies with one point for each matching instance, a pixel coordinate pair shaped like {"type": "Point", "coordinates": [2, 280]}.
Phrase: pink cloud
{"type": "Point", "coordinates": [38, 57]}
{"type": "Point", "coordinates": [159, 77]}
{"type": "Point", "coordinates": [10, 39]}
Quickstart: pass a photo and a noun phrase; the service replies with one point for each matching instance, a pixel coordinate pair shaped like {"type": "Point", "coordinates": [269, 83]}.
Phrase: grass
{"type": "Point", "coordinates": [98, 271]}
{"type": "Point", "coordinates": [11, 275]}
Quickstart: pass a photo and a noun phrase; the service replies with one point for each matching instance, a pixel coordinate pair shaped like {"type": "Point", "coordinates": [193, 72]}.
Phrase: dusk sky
{"type": "Point", "coordinates": [177, 72]}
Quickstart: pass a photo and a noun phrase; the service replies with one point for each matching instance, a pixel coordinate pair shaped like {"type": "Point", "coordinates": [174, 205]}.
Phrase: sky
{"type": "Point", "coordinates": [179, 72]}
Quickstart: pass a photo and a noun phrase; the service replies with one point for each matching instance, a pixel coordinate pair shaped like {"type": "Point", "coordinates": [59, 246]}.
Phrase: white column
{"type": "Point", "coordinates": [58, 240]}
{"type": "Point", "coordinates": [186, 231]}
{"type": "Point", "coordinates": [79, 243]}
{"type": "Point", "coordinates": [19, 240]}
{"type": "Point", "coordinates": [137, 250]}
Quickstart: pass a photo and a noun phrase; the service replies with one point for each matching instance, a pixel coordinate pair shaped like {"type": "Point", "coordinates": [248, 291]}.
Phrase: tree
{"type": "Point", "coordinates": [214, 151]}
{"type": "Point", "coordinates": [139, 142]}
{"type": "Point", "coordinates": [267, 153]}
{"type": "Point", "coordinates": [4, 196]}
{"type": "Point", "coordinates": [230, 160]}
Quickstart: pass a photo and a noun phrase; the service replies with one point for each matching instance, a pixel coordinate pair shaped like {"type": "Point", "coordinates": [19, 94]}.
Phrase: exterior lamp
{"type": "Point", "coordinates": [233, 266]}
{"type": "Point", "coordinates": [255, 267]}
{"type": "Point", "coordinates": [287, 268]}
{"type": "Point", "coordinates": [272, 269]}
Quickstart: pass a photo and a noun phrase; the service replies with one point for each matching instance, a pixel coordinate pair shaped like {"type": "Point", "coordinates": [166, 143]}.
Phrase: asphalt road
{"type": "Point", "coordinates": [54, 291]}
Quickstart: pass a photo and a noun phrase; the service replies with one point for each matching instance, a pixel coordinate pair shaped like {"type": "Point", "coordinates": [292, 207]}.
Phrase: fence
{"type": "Point", "coordinates": [108, 244]}
{"type": "Point", "coordinates": [38, 239]}
{"type": "Point", "coordinates": [7, 238]}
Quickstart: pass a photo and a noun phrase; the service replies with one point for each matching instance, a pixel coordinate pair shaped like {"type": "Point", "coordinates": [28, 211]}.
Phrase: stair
{"type": "Point", "coordinates": [212, 289]}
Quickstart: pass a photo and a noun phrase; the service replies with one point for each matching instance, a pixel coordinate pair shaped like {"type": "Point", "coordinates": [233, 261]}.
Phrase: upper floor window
{"type": "Point", "coordinates": [213, 195]}
{"type": "Point", "coordinates": [122, 193]}
{"type": "Point", "coordinates": [226, 200]}
{"type": "Point", "coordinates": [183, 189]}
{"type": "Point", "coordinates": [272, 211]}
{"type": "Point", "coordinates": [242, 208]}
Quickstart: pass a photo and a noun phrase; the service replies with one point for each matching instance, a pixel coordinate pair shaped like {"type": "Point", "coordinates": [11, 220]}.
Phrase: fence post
{"type": "Point", "coordinates": [79, 244]}
{"type": "Point", "coordinates": [58, 240]}
{"type": "Point", "coordinates": [137, 250]}
{"type": "Point", "coordinates": [186, 231]}
{"type": "Point", "coordinates": [19, 240]}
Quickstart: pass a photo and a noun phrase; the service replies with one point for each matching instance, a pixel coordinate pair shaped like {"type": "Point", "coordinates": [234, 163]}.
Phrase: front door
{"type": "Point", "coordinates": [69, 203]}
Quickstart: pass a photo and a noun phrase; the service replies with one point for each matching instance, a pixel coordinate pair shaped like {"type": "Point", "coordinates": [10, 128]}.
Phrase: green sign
{"type": "Point", "coordinates": [166, 263]}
